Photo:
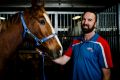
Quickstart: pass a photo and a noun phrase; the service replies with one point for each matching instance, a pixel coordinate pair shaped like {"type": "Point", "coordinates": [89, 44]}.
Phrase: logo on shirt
{"type": "Point", "coordinates": [90, 49]}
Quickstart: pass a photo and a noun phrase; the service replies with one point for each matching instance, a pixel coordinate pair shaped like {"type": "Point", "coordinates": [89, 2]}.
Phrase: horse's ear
{"type": "Point", "coordinates": [37, 3]}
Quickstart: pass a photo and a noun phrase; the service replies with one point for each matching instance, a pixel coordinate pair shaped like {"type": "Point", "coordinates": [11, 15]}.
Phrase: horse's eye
{"type": "Point", "coordinates": [42, 22]}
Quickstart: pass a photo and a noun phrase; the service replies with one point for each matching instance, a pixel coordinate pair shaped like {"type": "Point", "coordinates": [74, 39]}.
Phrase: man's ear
{"type": "Point", "coordinates": [95, 24]}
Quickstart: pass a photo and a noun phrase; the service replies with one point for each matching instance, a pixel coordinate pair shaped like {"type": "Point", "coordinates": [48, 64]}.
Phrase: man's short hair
{"type": "Point", "coordinates": [91, 12]}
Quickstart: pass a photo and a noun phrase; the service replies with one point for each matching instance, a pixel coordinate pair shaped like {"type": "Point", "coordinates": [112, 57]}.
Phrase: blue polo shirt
{"type": "Point", "coordinates": [89, 57]}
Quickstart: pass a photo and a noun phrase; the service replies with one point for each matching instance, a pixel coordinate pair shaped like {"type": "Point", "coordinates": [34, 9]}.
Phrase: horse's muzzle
{"type": "Point", "coordinates": [51, 54]}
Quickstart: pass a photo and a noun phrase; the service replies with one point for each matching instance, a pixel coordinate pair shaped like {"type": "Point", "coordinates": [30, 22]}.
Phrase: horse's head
{"type": "Point", "coordinates": [41, 29]}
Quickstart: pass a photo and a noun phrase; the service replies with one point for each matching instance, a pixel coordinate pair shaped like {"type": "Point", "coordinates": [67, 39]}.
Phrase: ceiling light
{"type": "Point", "coordinates": [76, 17]}
{"type": "Point", "coordinates": [2, 18]}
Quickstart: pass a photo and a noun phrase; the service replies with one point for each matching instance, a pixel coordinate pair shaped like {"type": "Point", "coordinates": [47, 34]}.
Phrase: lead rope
{"type": "Point", "coordinates": [43, 66]}
{"type": "Point", "coordinates": [42, 53]}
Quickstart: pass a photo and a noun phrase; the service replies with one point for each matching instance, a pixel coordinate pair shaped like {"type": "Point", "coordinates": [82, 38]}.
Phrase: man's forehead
{"type": "Point", "coordinates": [89, 14]}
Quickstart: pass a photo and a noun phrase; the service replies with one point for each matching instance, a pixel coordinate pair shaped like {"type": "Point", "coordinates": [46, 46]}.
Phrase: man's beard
{"type": "Point", "coordinates": [87, 30]}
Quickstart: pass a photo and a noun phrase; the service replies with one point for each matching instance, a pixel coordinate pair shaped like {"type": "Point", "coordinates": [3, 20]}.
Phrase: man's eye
{"type": "Point", "coordinates": [89, 19]}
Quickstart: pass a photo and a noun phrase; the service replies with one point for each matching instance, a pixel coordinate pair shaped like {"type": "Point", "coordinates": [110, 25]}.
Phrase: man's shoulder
{"type": "Point", "coordinates": [102, 40]}
{"type": "Point", "coordinates": [76, 40]}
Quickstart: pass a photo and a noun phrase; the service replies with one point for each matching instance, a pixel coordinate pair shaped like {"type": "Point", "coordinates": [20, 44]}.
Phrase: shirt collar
{"type": "Point", "coordinates": [94, 38]}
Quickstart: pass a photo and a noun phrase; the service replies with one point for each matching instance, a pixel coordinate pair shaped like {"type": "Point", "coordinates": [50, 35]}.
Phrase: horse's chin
{"type": "Point", "coordinates": [53, 55]}
{"type": "Point", "coordinates": [49, 54]}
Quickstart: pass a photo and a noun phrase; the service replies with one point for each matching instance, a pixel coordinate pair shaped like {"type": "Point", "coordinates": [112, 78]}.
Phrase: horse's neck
{"type": "Point", "coordinates": [10, 39]}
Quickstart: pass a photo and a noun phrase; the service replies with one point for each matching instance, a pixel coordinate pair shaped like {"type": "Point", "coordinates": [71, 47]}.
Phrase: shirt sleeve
{"type": "Point", "coordinates": [68, 52]}
{"type": "Point", "coordinates": [106, 53]}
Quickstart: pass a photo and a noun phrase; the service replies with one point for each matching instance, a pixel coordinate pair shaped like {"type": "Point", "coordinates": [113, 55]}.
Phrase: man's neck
{"type": "Point", "coordinates": [88, 36]}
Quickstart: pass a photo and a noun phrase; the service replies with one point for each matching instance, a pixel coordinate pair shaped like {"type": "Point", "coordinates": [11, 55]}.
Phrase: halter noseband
{"type": "Point", "coordinates": [26, 30]}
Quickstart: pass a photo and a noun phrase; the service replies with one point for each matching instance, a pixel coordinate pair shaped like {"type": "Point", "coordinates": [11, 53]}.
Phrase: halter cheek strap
{"type": "Point", "coordinates": [26, 30]}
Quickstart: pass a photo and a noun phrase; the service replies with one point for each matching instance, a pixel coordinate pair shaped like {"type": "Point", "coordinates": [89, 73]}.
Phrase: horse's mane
{"type": "Point", "coordinates": [4, 25]}
{"type": "Point", "coordinates": [14, 19]}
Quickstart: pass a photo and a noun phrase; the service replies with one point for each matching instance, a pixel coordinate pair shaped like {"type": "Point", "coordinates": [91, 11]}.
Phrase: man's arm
{"type": "Point", "coordinates": [106, 73]}
{"type": "Point", "coordinates": [62, 60]}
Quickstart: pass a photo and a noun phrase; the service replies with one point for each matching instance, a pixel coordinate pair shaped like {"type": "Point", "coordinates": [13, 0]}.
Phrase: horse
{"type": "Point", "coordinates": [35, 22]}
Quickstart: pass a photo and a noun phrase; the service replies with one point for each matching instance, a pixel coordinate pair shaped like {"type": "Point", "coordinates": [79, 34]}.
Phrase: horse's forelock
{"type": "Point", "coordinates": [37, 8]}
{"type": "Point", "coordinates": [37, 2]}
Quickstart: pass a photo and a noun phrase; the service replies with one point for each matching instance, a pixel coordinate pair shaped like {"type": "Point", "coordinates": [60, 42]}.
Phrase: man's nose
{"type": "Point", "coordinates": [85, 22]}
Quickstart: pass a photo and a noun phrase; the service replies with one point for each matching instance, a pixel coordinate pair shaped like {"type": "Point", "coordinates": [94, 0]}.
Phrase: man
{"type": "Point", "coordinates": [90, 52]}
